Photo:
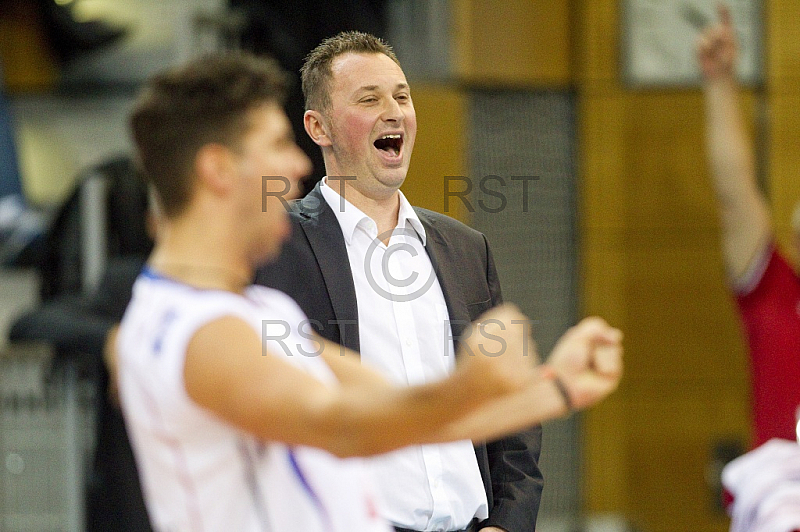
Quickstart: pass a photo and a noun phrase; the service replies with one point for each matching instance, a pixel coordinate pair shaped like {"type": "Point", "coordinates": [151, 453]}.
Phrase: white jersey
{"type": "Point", "coordinates": [200, 473]}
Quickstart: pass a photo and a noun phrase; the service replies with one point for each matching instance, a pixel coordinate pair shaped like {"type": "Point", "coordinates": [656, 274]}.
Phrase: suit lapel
{"type": "Point", "coordinates": [324, 235]}
{"type": "Point", "coordinates": [439, 252]}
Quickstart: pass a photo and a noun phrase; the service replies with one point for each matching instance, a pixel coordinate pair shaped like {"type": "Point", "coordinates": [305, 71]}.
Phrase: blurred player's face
{"type": "Point", "coordinates": [372, 123]}
{"type": "Point", "coordinates": [271, 165]}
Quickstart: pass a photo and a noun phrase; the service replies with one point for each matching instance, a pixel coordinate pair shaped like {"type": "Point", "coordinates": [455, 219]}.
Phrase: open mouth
{"type": "Point", "coordinates": [390, 144]}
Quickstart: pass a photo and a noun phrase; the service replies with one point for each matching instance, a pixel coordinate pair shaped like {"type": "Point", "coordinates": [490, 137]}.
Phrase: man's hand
{"type": "Point", "coordinates": [588, 360]}
{"type": "Point", "coordinates": [497, 351]}
{"type": "Point", "coordinates": [716, 48]}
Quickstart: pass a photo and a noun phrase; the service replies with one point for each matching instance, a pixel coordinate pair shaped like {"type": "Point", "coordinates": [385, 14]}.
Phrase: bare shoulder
{"type": "Point", "coordinates": [219, 350]}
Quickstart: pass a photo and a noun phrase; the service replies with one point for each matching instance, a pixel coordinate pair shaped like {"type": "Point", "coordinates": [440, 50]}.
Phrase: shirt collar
{"type": "Point", "coordinates": [408, 216]}
{"type": "Point", "coordinates": [351, 217]}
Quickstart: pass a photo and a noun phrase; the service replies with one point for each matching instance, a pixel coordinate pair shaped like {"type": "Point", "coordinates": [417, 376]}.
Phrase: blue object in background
{"type": "Point", "coordinates": [10, 182]}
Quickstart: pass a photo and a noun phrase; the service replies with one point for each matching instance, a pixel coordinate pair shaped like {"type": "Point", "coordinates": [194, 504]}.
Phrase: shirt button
{"type": "Point", "coordinates": [408, 342]}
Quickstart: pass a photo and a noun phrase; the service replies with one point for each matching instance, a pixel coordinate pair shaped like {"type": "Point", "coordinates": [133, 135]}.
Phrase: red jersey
{"type": "Point", "coordinates": [771, 316]}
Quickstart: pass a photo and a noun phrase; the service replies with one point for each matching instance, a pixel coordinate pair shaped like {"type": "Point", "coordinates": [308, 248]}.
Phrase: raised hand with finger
{"type": "Point", "coordinates": [717, 49]}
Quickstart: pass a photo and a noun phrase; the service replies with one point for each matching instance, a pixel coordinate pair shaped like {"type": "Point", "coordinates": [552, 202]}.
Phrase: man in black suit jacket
{"type": "Point", "coordinates": [360, 114]}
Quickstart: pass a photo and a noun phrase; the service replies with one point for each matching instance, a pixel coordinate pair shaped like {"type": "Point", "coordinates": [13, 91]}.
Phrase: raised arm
{"type": "Point", "coordinates": [227, 373]}
{"type": "Point", "coordinates": [743, 210]}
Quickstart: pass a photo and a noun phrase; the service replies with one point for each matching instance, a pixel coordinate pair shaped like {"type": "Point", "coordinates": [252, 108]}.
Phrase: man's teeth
{"type": "Point", "coordinates": [390, 143]}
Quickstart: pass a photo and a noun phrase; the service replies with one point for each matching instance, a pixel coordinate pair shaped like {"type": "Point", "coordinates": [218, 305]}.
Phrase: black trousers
{"type": "Point", "coordinates": [473, 527]}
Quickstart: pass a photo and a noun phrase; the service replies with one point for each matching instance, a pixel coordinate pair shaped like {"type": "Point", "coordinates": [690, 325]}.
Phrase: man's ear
{"type": "Point", "coordinates": [214, 167]}
{"type": "Point", "coordinates": [317, 128]}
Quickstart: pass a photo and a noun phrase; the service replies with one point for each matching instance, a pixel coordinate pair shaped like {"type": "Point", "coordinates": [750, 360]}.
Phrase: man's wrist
{"type": "Point", "coordinates": [564, 393]}
{"type": "Point", "coordinates": [561, 401]}
{"type": "Point", "coordinates": [723, 81]}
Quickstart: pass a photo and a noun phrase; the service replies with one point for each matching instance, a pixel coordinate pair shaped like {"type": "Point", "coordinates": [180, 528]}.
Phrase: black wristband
{"type": "Point", "coordinates": [562, 389]}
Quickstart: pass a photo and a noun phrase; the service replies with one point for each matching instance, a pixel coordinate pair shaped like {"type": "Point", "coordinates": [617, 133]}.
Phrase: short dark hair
{"type": "Point", "coordinates": [205, 101]}
{"type": "Point", "coordinates": [316, 71]}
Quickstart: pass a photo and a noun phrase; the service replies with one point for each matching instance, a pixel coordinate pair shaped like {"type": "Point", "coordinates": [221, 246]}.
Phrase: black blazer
{"type": "Point", "coordinates": [315, 271]}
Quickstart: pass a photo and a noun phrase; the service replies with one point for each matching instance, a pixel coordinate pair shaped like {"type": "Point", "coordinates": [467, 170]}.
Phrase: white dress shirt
{"type": "Point", "coordinates": [405, 334]}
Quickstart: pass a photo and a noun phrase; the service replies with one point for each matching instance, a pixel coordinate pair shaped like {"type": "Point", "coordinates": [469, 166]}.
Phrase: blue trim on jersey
{"type": "Point", "coordinates": [150, 273]}
{"type": "Point", "coordinates": [163, 328]}
{"type": "Point", "coordinates": [326, 518]}
{"type": "Point", "coordinates": [154, 275]}
{"type": "Point", "coordinates": [252, 484]}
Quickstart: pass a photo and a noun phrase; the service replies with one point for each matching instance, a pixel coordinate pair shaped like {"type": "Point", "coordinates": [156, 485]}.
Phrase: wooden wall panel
{"type": "Point", "coordinates": [783, 45]}
{"type": "Point", "coordinates": [440, 149]}
{"type": "Point", "coordinates": [513, 42]}
{"type": "Point", "coordinates": [783, 85]}
{"type": "Point", "coordinates": [596, 43]}
{"type": "Point", "coordinates": [784, 160]}
{"type": "Point", "coordinates": [668, 487]}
